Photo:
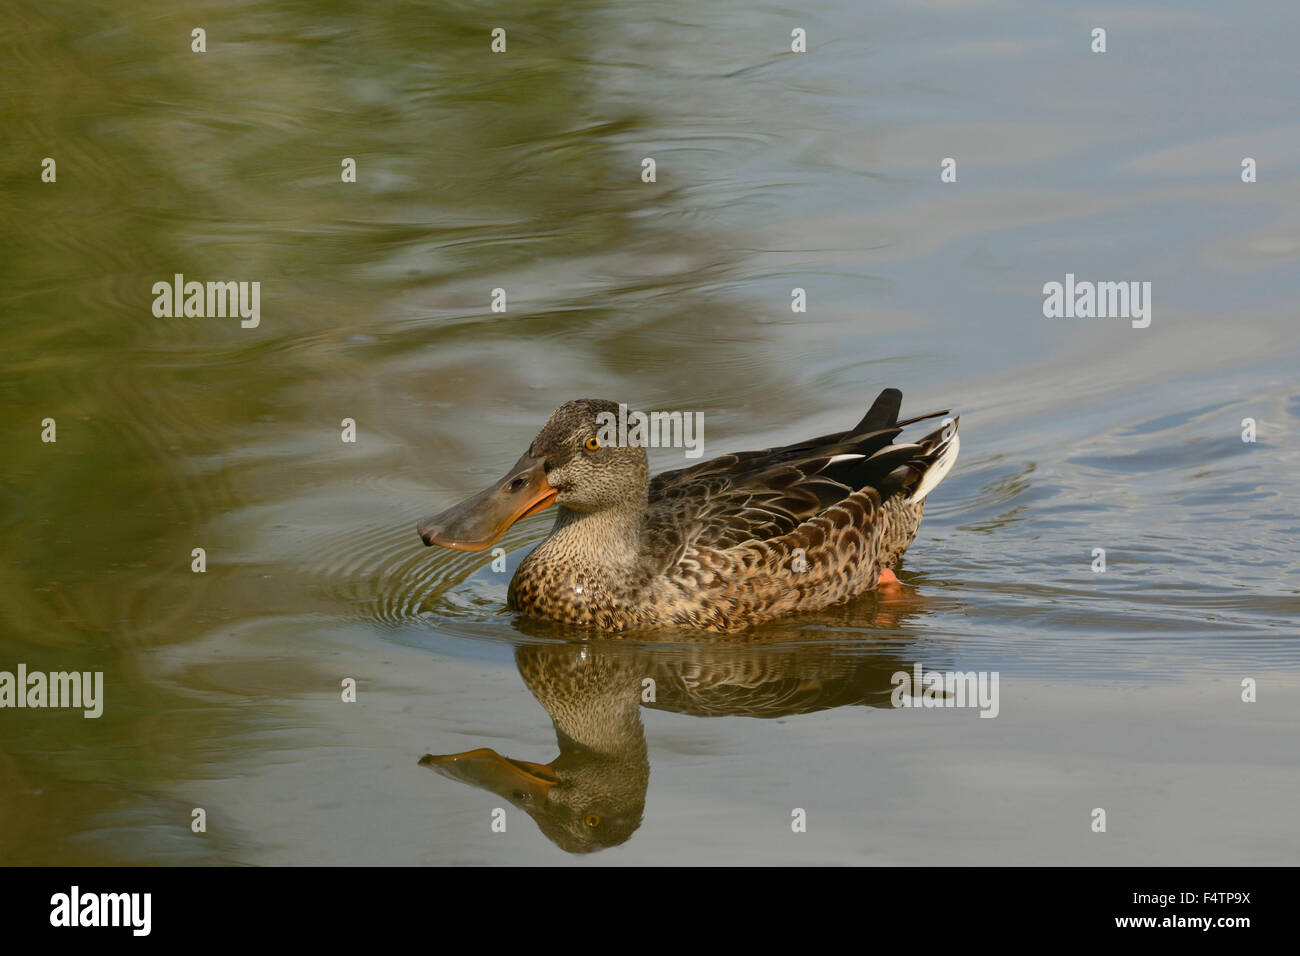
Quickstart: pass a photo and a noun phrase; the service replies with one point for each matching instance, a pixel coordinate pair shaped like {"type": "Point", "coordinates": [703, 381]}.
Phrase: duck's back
{"type": "Point", "coordinates": [752, 536]}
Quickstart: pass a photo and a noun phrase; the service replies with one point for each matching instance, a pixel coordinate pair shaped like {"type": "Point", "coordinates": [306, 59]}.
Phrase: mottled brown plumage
{"type": "Point", "coordinates": [719, 546]}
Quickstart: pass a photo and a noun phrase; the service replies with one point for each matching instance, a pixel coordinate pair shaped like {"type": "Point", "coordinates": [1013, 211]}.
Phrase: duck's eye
{"type": "Point", "coordinates": [592, 443]}
{"type": "Point", "coordinates": [592, 820]}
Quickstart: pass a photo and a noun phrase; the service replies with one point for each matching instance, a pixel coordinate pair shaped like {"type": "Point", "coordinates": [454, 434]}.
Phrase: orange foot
{"type": "Point", "coordinates": [888, 579]}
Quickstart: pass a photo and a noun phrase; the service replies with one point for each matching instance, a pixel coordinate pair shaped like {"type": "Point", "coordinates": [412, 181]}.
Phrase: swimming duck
{"type": "Point", "coordinates": [719, 546]}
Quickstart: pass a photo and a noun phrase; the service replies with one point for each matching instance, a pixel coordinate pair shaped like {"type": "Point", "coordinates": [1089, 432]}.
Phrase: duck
{"type": "Point", "coordinates": [718, 546]}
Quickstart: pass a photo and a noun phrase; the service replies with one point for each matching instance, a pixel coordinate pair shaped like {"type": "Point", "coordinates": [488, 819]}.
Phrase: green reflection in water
{"type": "Point", "coordinates": [225, 166]}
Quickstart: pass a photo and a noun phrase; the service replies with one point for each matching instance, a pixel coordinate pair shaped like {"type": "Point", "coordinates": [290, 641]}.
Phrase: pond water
{"type": "Point", "coordinates": [522, 171]}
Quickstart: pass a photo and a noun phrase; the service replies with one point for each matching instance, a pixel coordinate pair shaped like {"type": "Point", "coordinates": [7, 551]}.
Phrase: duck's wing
{"type": "Point", "coordinates": [762, 495]}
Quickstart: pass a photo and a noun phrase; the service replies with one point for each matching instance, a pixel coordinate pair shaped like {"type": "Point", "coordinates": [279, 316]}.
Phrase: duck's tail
{"type": "Point", "coordinates": [884, 414]}
{"type": "Point", "coordinates": [927, 462]}
{"type": "Point", "coordinates": [935, 459]}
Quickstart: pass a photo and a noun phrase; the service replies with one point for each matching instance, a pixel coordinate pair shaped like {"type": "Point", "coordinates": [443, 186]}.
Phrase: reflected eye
{"type": "Point", "coordinates": [592, 444]}
{"type": "Point", "coordinates": [592, 820]}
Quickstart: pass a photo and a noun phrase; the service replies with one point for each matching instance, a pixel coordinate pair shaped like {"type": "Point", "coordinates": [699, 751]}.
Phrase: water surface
{"type": "Point", "coordinates": [521, 171]}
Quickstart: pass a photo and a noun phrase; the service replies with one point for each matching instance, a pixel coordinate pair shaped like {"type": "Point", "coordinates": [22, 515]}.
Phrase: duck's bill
{"type": "Point", "coordinates": [477, 522]}
{"type": "Point", "coordinates": [521, 782]}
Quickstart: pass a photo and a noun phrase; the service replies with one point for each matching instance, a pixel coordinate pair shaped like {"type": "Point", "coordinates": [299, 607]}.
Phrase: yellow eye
{"type": "Point", "coordinates": [592, 444]}
{"type": "Point", "coordinates": [592, 820]}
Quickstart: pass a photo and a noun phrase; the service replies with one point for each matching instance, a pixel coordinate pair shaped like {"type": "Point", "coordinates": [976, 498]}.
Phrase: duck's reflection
{"type": "Point", "coordinates": [592, 795]}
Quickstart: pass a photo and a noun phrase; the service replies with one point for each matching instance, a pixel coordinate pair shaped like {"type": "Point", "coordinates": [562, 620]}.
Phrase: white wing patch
{"type": "Point", "coordinates": [939, 469]}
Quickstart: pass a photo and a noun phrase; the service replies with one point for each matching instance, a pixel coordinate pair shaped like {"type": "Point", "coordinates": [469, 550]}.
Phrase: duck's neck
{"type": "Point", "coordinates": [607, 723]}
{"type": "Point", "coordinates": [587, 571]}
{"type": "Point", "coordinates": [599, 543]}
{"type": "Point", "coordinates": [593, 695]}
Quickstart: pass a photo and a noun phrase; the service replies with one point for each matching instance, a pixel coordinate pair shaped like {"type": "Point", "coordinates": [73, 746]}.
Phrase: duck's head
{"type": "Point", "coordinates": [575, 462]}
{"type": "Point", "coordinates": [593, 794]}
{"type": "Point", "coordinates": [582, 801]}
